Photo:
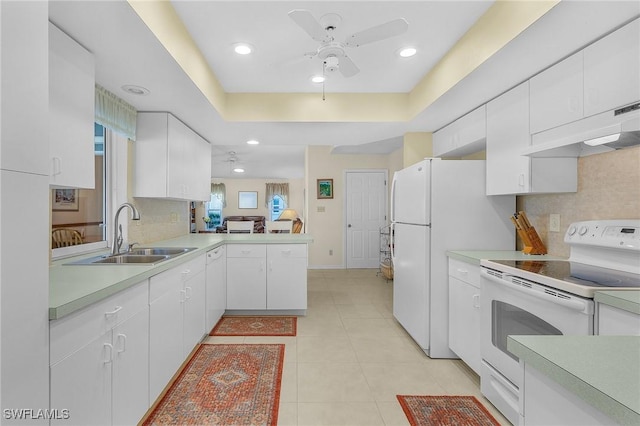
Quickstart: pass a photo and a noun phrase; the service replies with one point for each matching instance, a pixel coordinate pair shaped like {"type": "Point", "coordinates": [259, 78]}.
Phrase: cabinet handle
{"type": "Point", "coordinates": [261, 266]}
{"type": "Point", "coordinates": [246, 251]}
{"type": "Point", "coordinates": [186, 271]}
{"type": "Point", "coordinates": [122, 339]}
{"type": "Point", "coordinates": [110, 357]}
{"type": "Point", "coordinates": [463, 272]}
{"type": "Point", "coordinates": [183, 293]}
{"type": "Point", "coordinates": [288, 251]}
{"type": "Point", "coordinates": [115, 311]}
{"type": "Point", "coordinates": [270, 266]}
{"type": "Point", "coordinates": [187, 292]}
{"type": "Point", "coordinates": [476, 301]}
{"type": "Point", "coordinates": [55, 165]}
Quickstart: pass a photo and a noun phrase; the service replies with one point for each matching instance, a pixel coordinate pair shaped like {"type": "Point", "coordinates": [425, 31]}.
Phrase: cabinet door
{"type": "Point", "coordinates": [611, 70]}
{"type": "Point", "coordinates": [81, 383]}
{"type": "Point", "coordinates": [194, 311]}
{"type": "Point", "coordinates": [216, 286]}
{"type": "Point", "coordinates": [178, 166]}
{"type": "Point", "coordinates": [200, 169]}
{"type": "Point", "coordinates": [613, 321]}
{"type": "Point", "coordinates": [71, 107]}
{"type": "Point", "coordinates": [165, 336]}
{"type": "Point", "coordinates": [131, 369]}
{"type": "Point", "coordinates": [286, 276]}
{"type": "Point", "coordinates": [464, 322]}
{"type": "Point", "coordinates": [443, 140]}
{"type": "Point", "coordinates": [246, 283]}
{"type": "Point", "coordinates": [507, 136]}
{"type": "Point", "coordinates": [557, 94]}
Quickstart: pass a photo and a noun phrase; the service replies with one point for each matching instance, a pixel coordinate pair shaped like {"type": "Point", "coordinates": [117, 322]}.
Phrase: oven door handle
{"type": "Point", "coordinates": [576, 305]}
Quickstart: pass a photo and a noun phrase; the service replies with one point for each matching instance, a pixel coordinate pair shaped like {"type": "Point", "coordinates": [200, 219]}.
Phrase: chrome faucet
{"type": "Point", "coordinates": [117, 229]}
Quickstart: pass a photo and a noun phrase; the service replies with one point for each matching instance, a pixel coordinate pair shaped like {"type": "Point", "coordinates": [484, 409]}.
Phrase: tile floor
{"type": "Point", "coordinates": [351, 358]}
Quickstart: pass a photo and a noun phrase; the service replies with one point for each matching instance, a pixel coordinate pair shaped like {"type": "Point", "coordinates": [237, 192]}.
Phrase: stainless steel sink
{"type": "Point", "coordinates": [132, 258]}
{"type": "Point", "coordinates": [162, 251]}
{"type": "Point", "coordinates": [139, 256]}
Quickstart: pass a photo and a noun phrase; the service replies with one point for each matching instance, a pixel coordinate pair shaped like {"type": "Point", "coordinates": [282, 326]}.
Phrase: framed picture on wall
{"type": "Point", "coordinates": [325, 188]}
{"type": "Point", "coordinates": [65, 199]}
{"type": "Point", "coordinates": [247, 199]}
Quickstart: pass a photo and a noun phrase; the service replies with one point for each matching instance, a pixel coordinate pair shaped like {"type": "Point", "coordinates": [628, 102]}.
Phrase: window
{"type": "Point", "coordinates": [214, 212]}
{"type": "Point", "coordinates": [276, 206]}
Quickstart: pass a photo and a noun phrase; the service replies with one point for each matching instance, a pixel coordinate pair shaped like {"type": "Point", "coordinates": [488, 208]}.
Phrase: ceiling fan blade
{"type": "Point", "coordinates": [347, 67]}
{"type": "Point", "coordinates": [379, 32]}
{"type": "Point", "coordinates": [308, 23]}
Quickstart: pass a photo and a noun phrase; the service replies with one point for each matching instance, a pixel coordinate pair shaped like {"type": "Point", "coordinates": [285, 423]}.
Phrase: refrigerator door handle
{"type": "Point", "coordinates": [393, 199]}
{"type": "Point", "coordinates": [392, 242]}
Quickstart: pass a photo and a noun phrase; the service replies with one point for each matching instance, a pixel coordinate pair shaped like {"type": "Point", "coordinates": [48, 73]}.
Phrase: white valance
{"type": "Point", "coordinates": [273, 189]}
{"type": "Point", "coordinates": [220, 191]}
{"type": "Point", "coordinates": [115, 113]}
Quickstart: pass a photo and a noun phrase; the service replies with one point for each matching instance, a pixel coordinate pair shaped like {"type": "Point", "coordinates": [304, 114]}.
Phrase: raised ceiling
{"type": "Point", "coordinates": [128, 52]}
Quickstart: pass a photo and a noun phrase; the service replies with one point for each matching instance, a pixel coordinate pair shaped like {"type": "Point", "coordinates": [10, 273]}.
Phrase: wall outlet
{"type": "Point", "coordinates": [554, 222]}
{"type": "Point", "coordinates": [321, 209]}
{"type": "Point", "coordinates": [173, 217]}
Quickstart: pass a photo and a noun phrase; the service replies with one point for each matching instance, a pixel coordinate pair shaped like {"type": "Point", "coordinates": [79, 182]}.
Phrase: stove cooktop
{"type": "Point", "coordinates": [573, 277]}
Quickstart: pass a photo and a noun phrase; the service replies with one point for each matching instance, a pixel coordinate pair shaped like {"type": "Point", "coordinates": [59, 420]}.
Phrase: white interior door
{"type": "Point", "coordinates": [366, 201]}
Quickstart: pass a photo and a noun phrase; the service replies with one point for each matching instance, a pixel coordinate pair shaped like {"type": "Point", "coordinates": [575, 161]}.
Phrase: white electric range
{"type": "Point", "coordinates": [550, 297]}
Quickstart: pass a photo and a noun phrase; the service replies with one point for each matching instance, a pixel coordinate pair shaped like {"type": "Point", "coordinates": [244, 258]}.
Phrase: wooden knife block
{"type": "Point", "coordinates": [532, 242]}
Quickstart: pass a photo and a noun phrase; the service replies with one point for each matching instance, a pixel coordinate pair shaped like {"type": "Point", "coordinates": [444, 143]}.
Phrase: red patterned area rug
{"type": "Point", "coordinates": [255, 326]}
{"type": "Point", "coordinates": [445, 411]}
{"type": "Point", "coordinates": [224, 385]}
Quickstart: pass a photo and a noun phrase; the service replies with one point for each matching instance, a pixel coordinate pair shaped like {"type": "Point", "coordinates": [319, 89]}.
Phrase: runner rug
{"type": "Point", "coordinates": [445, 410]}
{"type": "Point", "coordinates": [224, 385]}
{"type": "Point", "coordinates": [255, 326]}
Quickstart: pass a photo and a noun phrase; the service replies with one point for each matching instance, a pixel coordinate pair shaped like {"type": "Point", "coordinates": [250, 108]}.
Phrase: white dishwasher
{"type": "Point", "coordinates": [216, 289]}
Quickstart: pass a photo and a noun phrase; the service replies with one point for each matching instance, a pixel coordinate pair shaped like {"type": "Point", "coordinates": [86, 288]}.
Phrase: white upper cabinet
{"type": "Point", "coordinates": [557, 94]}
{"type": "Point", "coordinates": [464, 136]}
{"type": "Point", "coordinates": [71, 106]}
{"type": "Point", "coordinates": [508, 171]}
{"type": "Point", "coordinates": [171, 160]}
{"type": "Point", "coordinates": [612, 70]}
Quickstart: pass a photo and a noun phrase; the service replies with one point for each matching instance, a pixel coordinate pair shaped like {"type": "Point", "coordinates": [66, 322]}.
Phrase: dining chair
{"type": "Point", "coordinates": [64, 237]}
{"type": "Point", "coordinates": [279, 226]}
{"type": "Point", "coordinates": [244, 226]}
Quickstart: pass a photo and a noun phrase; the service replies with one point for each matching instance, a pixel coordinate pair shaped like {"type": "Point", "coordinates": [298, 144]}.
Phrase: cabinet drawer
{"type": "Point", "coordinates": [167, 281]}
{"type": "Point", "coordinates": [286, 250]}
{"type": "Point", "coordinates": [246, 250]}
{"type": "Point", "coordinates": [464, 271]}
{"type": "Point", "coordinates": [73, 332]}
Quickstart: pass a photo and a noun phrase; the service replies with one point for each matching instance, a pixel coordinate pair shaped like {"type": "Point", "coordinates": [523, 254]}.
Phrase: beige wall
{"type": "Point", "coordinates": [416, 147]}
{"type": "Point", "coordinates": [608, 188]}
{"type": "Point", "coordinates": [325, 217]}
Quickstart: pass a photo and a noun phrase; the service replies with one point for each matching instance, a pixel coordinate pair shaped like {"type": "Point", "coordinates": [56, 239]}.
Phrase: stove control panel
{"type": "Point", "coordinates": [620, 234]}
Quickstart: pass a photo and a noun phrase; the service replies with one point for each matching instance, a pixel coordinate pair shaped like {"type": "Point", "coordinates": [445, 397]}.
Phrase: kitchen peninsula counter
{"type": "Point", "coordinates": [602, 371]}
{"type": "Point", "coordinates": [74, 287]}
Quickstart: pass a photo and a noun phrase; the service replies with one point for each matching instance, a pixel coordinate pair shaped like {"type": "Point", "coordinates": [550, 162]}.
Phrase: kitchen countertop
{"type": "Point", "coordinates": [602, 370]}
{"type": "Point", "coordinates": [475, 256]}
{"type": "Point", "coordinates": [628, 300]}
{"type": "Point", "coordinates": [73, 287]}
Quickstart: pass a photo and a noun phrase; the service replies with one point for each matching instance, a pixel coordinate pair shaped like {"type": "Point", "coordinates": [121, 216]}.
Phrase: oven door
{"type": "Point", "coordinates": [515, 306]}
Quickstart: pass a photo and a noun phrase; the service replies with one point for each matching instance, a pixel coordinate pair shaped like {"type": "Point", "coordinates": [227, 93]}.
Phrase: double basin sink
{"type": "Point", "coordinates": [138, 256]}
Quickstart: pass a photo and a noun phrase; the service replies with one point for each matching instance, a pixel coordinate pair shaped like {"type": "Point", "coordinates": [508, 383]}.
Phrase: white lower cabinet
{"type": "Point", "coordinates": [464, 312]}
{"type": "Point", "coordinates": [267, 276]}
{"type": "Point", "coordinates": [216, 288]}
{"type": "Point", "coordinates": [176, 303]}
{"type": "Point", "coordinates": [613, 321]}
{"type": "Point", "coordinates": [99, 358]}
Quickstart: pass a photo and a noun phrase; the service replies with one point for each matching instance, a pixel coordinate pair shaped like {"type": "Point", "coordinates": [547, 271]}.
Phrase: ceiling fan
{"type": "Point", "coordinates": [332, 52]}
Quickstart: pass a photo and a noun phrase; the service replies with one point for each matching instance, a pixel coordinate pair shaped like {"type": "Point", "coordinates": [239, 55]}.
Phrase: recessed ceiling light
{"type": "Point", "coordinates": [253, 142]}
{"type": "Point", "coordinates": [407, 52]}
{"type": "Point", "coordinates": [317, 78]}
{"type": "Point", "coordinates": [238, 170]}
{"type": "Point", "coordinates": [135, 90]}
{"type": "Point", "coordinates": [243, 48]}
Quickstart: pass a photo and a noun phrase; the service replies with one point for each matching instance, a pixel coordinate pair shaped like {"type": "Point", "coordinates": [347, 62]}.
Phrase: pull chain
{"type": "Point", "coordinates": [324, 78]}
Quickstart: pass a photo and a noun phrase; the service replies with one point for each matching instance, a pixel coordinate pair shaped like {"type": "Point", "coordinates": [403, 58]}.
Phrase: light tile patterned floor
{"type": "Point", "coordinates": [351, 358]}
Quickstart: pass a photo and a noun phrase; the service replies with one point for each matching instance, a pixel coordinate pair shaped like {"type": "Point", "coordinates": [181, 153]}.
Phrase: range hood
{"type": "Point", "coordinates": [615, 129]}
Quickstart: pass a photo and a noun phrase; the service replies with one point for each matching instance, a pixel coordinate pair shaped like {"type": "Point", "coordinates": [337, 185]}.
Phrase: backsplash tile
{"type": "Point", "coordinates": [159, 220]}
{"type": "Point", "coordinates": [608, 188]}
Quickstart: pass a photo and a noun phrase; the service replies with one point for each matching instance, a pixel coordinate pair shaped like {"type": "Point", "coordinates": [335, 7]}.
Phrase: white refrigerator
{"type": "Point", "coordinates": [440, 205]}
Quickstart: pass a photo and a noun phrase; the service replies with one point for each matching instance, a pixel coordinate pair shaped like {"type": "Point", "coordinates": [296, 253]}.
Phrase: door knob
{"type": "Point", "coordinates": [349, 226]}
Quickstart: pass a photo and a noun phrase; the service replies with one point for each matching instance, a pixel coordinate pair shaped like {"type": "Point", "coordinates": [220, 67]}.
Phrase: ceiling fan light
{"type": "Point", "coordinates": [408, 52]}
{"type": "Point", "coordinates": [242, 49]}
{"type": "Point", "coordinates": [253, 142]}
{"type": "Point", "coordinates": [318, 79]}
{"type": "Point", "coordinates": [238, 170]}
